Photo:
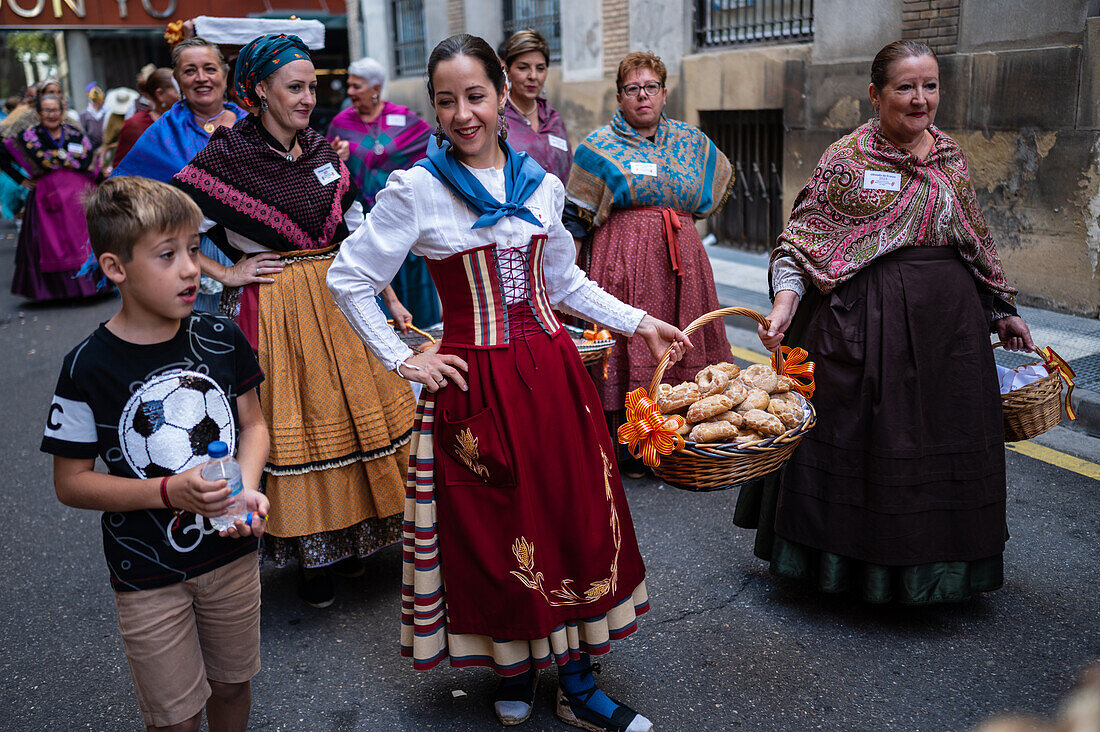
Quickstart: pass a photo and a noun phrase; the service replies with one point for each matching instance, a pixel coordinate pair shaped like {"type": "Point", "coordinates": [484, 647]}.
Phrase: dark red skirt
{"type": "Point", "coordinates": [906, 465]}
{"type": "Point", "coordinates": [534, 529]}
{"type": "Point", "coordinates": [630, 260]}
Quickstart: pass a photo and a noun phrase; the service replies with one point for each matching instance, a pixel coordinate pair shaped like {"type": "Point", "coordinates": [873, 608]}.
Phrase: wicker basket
{"type": "Point", "coordinates": [1033, 409]}
{"type": "Point", "coordinates": [592, 352]}
{"type": "Point", "coordinates": [713, 467]}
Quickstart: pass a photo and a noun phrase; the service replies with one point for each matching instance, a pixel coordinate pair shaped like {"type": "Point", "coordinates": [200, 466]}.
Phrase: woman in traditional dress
{"type": "Point", "coordinates": [340, 422]}
{"type": "Point", "coordinates": [887, 274]}
{"type": "Point", "coordinates": [176, 136]}
{"type": "Point", "coordinates": [376, 137]}
{"type": "Point", "coordinates": [54, 238]}
{"type": "Point", "coordinates": [159, 88]}
{"type": "Point", "coordinates": [534, 127]}
{"type": "Point", "coordinates": [91, 119]}
{"type": "Point", "coordinates": [636, 188]}
{"type": "Point", "coordinates": [519, 547]}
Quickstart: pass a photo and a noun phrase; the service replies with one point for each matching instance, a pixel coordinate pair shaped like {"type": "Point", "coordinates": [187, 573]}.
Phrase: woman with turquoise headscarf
{"type": "Point", "coordinates": [181, 132]}
{"type": "Point", "coordinates": [340, 423]}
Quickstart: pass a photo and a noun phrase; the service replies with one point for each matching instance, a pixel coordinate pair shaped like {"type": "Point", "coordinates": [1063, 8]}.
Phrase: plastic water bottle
{"type": "Point", "coordinates": [222, 466]}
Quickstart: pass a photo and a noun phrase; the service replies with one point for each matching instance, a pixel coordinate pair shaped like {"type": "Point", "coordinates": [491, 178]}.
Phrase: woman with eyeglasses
{"type": "Point", "coordinates": [636, 187]}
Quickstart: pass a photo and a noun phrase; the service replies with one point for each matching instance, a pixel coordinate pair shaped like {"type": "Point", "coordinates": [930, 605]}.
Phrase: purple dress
{"type": "Point", "coordinates": [53, 243]}
{"type": "Point", "coordinates": [549, 146]}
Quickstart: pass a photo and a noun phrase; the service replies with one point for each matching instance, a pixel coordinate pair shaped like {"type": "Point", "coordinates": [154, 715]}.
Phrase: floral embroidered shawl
{"type": "Point", "coordinates": [839, 225]}
{"type": "Point", "coordinates": [244, 186]}
{"type": "Point", "coordinates": [39, 154]}
{"type": "Point", "coordinates": [394, 141]}
{"type": "Point", "coordinates": [692, 175]}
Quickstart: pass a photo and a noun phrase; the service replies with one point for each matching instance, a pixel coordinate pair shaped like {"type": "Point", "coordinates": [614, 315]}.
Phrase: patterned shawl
{"type": "Point", "coordinates": [692, 175]}
{"type": "Point", "coordinates": [38, 153]}
{"type": "Point", "coordinates": [838, 226]}
{"type": "Point", "coordinates": [549, 146]}
{"type": "Point", "coordinates": [168, 144]}
{"type": "Point", "coordinates": [244, 186]}
{"type": "Point", "coordinates": [394, 141]}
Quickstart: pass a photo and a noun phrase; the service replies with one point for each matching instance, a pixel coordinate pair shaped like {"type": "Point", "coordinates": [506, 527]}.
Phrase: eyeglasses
{"type": "Point", "coordinates": [651, 89]}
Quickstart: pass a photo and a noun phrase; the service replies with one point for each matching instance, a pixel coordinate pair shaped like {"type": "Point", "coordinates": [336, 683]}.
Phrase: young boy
{"type": "Point", "coordinates": [147, 392]}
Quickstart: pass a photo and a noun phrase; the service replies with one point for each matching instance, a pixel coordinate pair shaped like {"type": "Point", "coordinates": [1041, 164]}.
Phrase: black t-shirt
{"type": "Point", "coordinates": [149, 411]}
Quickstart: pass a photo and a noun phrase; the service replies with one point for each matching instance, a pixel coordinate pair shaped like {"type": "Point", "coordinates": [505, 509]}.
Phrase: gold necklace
{"type": "Point", "coordinates": [208, 124]}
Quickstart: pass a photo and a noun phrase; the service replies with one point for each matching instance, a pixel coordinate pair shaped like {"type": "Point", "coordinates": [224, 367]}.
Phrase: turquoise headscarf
{"type": "Point", "coordinates": [264, 56]}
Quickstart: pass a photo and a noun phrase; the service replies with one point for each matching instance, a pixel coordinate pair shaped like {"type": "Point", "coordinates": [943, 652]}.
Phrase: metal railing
{"type": "Point", "coordinates": [410, 54]}
{"type": "Point", "coordinates": [541, 15]}
{"type": "Point", "coordinates": [753, 141]}
{"type": "Point", "coordinates": [734, 22]}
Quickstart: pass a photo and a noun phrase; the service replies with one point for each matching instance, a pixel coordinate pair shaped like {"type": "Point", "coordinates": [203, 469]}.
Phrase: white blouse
{"type": "Point", "coordinates": [418, 213]}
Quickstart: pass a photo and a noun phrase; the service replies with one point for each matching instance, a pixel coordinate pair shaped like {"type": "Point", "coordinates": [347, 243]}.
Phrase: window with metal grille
{"type": "Point", "coordinates": [410, 54]}
{"type": "Point", "coordinates": [541, 15]}
{"type": "Point", "coordinates": [733, 22]}
{"type": "Point", "coordinates": [753, 141]}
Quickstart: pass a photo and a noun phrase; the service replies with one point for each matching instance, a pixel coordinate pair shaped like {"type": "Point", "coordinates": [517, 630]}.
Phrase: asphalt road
{"type": "Point", "coordinates": [725, 645]}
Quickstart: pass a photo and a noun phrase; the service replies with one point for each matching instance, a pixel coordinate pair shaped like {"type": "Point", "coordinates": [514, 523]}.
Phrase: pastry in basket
{"type": "Point", "coordinates": [789, 412]}
{"type": "Point", "coordinates": [783, 384]}
{"type": "Point", "coordinates": [737, 392]}
{"type": "Point", "coordinates": [712, 380]}
{"type": "Point", "coordinates": [708, 407]}
{"type": "Point", "coordinates": [732, 370]}
{"type": "Point", "coordinates": [732, 417]}
{"type": "Point", "coordinates": [677, 398]}
{"type": "Point", "coordinates": [682, 430]}
{"type": "Point", "coordinates": [744, 434]}
{"type": "Point", "coordinates": [764, 422]}
{"type": "Point", "coordinates": [757, 399]}
{"type": "Point", "coordinates": [760, 376]}
{"type": "Point", "coordinates": [713, 432]}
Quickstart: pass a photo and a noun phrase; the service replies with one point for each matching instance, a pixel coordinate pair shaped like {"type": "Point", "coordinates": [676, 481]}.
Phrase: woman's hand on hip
{"type": "Point", "coordinates": [434, 370]}
{"type": "Point", "coordinates": [783, 309]}
{"type": "Point", "coordinates": [253, 270]}
{"type": "Point", "coordinates": [659, 335]}
{"type": "Point", "coordinates": [1015, 333]}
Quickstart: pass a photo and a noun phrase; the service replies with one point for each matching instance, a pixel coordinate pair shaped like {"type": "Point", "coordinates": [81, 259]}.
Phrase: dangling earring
{"type": "Point", "coordinates": [439, 138]}
{"type": "Point", "coordinates": [263, 106]}
{"type": "Point", "coordinates": [374, 98]}
{"type": "Point", "coordinates": [502, 124]}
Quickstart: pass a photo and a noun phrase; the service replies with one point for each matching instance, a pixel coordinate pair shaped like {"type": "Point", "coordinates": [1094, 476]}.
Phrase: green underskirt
{"type": "Point", "coordinates": [920, 584]}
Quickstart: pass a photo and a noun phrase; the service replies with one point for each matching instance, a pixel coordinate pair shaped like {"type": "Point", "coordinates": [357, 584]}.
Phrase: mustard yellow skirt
{"type": "Point", "coordinates": [340, 424]}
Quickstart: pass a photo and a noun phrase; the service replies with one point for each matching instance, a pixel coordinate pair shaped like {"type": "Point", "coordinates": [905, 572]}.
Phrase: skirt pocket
{"type": "Point", "coordinates": [475, 444]}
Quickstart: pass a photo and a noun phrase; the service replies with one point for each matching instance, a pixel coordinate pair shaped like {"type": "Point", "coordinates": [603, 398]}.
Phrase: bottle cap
{"type": "Point", "coordinates": [217, 449]}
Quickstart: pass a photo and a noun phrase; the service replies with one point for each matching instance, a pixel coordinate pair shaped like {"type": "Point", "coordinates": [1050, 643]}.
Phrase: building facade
{"type": "Point", "coordinates": [774, 82]}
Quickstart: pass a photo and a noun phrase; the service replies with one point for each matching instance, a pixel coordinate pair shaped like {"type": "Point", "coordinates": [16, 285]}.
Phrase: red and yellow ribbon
{"type": "Point", "coordinates": [645, 433]}
{"type": "Point", "coordinates": [597, 334]}
{"type": "Point", "coordinates": [792, 363]}
{"type": "Point", "coordinates": [1056, 364]}
{"type": "Point", "coordinates": [173, 33]}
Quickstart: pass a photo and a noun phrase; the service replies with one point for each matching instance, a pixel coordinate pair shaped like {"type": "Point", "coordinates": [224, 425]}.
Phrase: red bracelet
{"type": "Point", "coordinates": [164, 492]}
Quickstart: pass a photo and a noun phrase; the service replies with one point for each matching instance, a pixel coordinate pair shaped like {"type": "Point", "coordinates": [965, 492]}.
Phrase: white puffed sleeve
{"type": "Point", "coordinates": [353, 217]}
{"type": "Point", "coordinates": [368, 261]}
{"type": "Point", "coordinates": [786, 274]}
{"type": "Point", "coordinates": [569, 288]}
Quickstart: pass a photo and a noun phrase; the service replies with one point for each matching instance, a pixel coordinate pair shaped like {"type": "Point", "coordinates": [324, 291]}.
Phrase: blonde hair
{"type": "Point", "coordinates": [122, 210]}
{"type": "Point", "coordinates": [640, 60]}
{"type": "Point", "coordinates": [524, 41]}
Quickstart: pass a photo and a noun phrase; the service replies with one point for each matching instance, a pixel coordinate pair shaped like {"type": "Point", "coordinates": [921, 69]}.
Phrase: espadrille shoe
{"type": "Point", "coordinates": [573, 711]}
{"type": "Point", "coordinates": [513, 703]}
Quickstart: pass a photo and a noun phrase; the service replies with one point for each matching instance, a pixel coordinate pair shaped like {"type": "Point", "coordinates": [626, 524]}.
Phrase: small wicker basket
{"type": "Point", "coordinates": [592, 353]}
{"type": "Point", "coordinates": [1033, 409]}
{"type": "Point", "coordinates": [714, 467]}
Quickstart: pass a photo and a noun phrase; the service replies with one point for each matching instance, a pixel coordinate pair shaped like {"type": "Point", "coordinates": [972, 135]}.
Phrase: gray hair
{"type": "Point", "coordinates": [369, 69]}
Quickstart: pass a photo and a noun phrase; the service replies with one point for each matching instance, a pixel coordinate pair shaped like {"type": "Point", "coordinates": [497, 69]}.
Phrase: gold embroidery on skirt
{"type": "Point", "coordinates": [524, 552]}
{"type": "Point", "coordinates": [467, 451]}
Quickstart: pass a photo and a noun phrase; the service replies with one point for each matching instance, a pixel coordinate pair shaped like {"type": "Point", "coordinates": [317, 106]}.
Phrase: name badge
{"type": "Point", "coordinates": [326, 174]}
{"type": "Point", "coordinates": [644, 169]}
{"type": "Point", "coordinates": [75, 148]}
{"type": "Point", "coordinates": [395, 120]}
{"type": "Point", "coordinates": [558, 142]}
{"type": "Point", "coordinates": [881, 180]}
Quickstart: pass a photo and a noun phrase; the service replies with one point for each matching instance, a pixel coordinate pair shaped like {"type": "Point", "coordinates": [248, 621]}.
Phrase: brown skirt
{"type": "Point", "coordinates": [340, 423]}
{"type": "Point", "coordinates": [906, 465]}
{"type": "Point", "coordinates": [630, 260]}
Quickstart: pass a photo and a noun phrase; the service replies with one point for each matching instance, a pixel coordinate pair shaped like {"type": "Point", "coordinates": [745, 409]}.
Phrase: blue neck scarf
{"type": "Point", "coordinates": [168, 145]}
{"type": "Point", "coordinates": [522, 175]}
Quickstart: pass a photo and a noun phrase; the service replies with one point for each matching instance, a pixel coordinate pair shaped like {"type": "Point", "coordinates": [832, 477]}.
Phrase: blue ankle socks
{"type": "Point", "coordinates": [576, 677]}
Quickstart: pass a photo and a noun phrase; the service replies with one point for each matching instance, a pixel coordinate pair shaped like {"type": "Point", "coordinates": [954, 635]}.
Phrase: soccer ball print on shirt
{"type": "Point", "coordinates": [167, 424]}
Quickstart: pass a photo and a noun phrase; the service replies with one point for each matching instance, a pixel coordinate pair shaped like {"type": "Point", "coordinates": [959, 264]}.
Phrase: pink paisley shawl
{"type": "Point", "coordinates": [838, 226]}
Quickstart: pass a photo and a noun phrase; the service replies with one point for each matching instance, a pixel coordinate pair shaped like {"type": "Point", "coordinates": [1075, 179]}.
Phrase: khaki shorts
{"type": "Point", "coordinates": [177, 637]}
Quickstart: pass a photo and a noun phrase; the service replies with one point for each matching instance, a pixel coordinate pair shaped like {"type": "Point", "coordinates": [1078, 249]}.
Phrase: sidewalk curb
{"type": "Point", "coordinates": [1086, 402]}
